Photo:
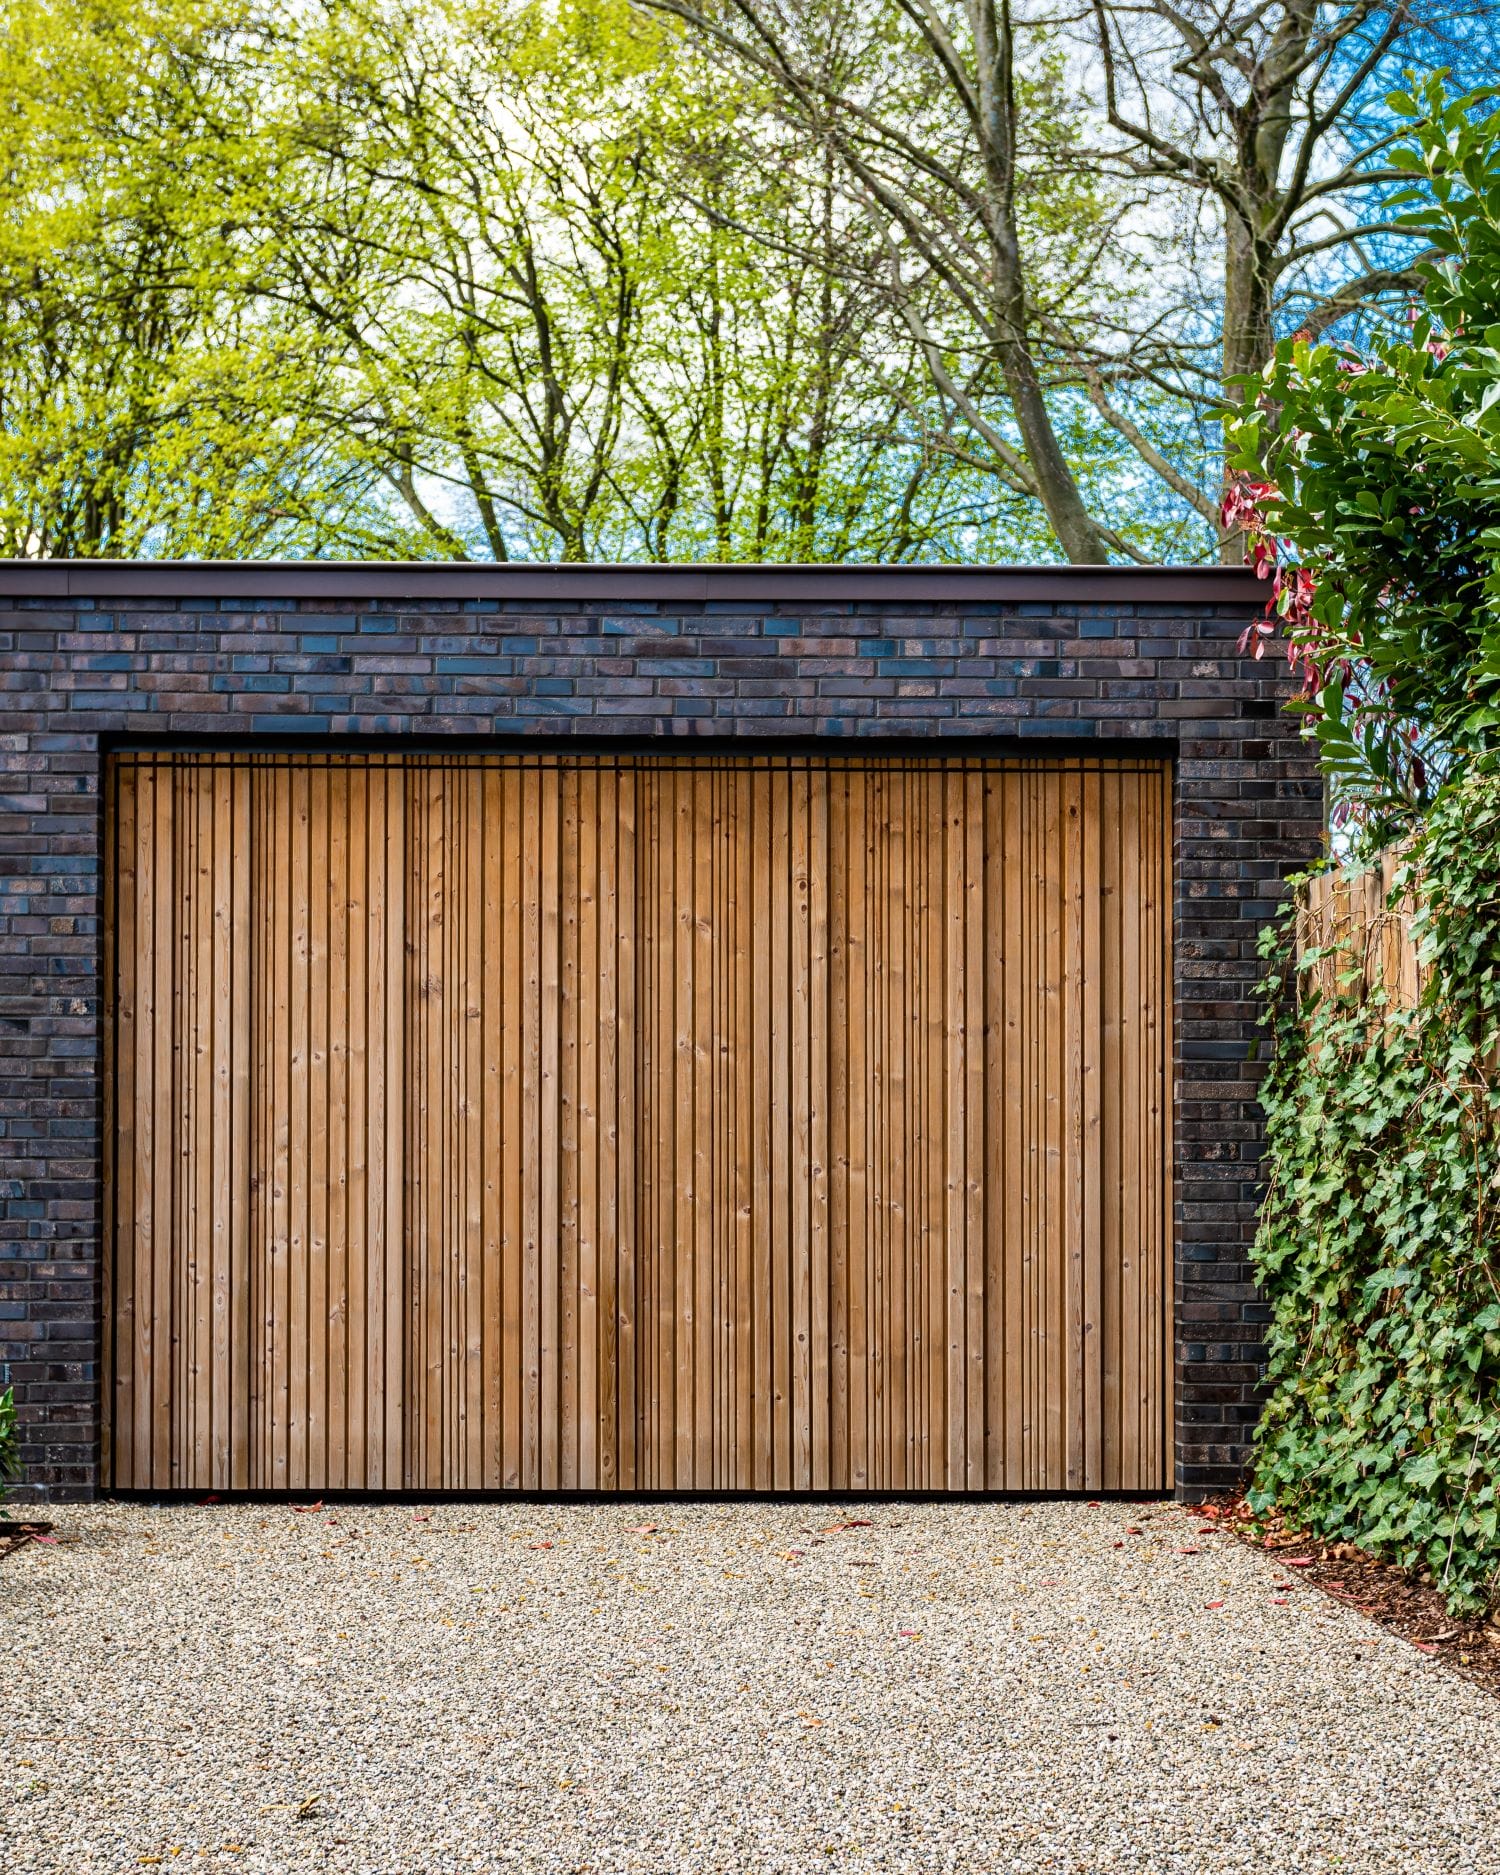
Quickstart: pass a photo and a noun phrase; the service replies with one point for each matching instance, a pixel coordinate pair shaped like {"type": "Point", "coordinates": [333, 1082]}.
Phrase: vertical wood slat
{"type": "Point", "coordinates": [1365, 942]}
{"type": "Point", "coordinates": [730, 1123]}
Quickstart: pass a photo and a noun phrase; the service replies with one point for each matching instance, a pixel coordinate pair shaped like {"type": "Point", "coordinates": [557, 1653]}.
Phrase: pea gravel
{"type": "Point", "coordinates": [500, 1687]}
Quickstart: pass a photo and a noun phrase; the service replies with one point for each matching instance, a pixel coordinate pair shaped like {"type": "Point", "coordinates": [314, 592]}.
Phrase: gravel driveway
{"type": "Point", "coordinates": [744, 1687]}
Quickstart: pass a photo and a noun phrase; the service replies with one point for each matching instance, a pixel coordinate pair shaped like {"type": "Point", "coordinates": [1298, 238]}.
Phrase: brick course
{"type": "Point", "coordinates": [93, 657]}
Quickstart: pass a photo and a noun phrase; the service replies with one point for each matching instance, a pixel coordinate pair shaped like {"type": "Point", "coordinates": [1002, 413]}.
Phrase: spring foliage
{"type": "Point", "coordinates": [1377, 1247]}
{"type": "Point", "coordinates": [490, 279]}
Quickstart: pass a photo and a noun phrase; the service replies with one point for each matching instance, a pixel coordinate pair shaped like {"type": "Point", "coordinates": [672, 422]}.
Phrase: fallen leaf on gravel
{"type": "Point", "coordinates": [1298, 1562]}
{"type": "Point", "coordinates": [859, 1523]}
{"type": "Point", "coordinates": [1094, 1504]}
{"type": "Point", "coordinates": [541, 1546]}
{"type": "Point", "coordinates": [1424, 1647]}
{"type": "Point", "coordinates": [1213, 1604]}
{"type": "Point", "coordinates": [1119, 1543]}
{"type": "Point", "coordinates": [1281, 1585]}
{"type": "Point", "coordinates": [909, 1634]}
{"type": "Point", "coordinates": [1278, 1601]}
{"type": "Point", "coordinates": [644, 1529]}
{"type": "Point", "coordinates": [1190, 1549]}
{"type": "Point", "coordinates": [307, 1507]}
{"type": "Point", "coordinates": [1133, 1529]}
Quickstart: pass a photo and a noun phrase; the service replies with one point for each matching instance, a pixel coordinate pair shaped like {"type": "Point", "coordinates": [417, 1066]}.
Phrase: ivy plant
{"type": "Point", "coordinates": [1377, 1247]}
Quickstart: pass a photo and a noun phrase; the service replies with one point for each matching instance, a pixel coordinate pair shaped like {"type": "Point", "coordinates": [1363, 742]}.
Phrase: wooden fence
{"type": "Point", "coordinates": [1364, 941]}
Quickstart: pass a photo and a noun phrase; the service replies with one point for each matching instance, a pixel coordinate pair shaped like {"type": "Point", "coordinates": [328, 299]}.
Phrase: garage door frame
{"type": "Point", "coordinates": [98, 655]}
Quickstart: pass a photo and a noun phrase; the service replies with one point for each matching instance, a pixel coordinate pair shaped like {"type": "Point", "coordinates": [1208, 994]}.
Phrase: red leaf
{"type": "Point", "coordinates": [540, 1546]}
{"type": "Point", "coordinates": [307, 1507]}
{"type": "Point", "coordinates": [1298, 1562]}
{"type": "Point", "coordinates": [1189, 1549]}
{"type": "Point", "coordinates": [1213, 1604]}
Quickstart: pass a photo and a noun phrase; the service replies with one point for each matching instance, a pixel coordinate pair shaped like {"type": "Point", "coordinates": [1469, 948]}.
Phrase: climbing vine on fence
{"type": "Point", "coordinates": [1379, 1242]}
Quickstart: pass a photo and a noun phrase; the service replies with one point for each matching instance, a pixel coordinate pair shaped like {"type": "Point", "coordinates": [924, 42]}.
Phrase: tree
{"type": "Point", "coordinates": [1370, 485]}
{"type": "Point", "coordinates": [147, 402]}
{"type": "Point", "coordinates": [925, 126]}
{"type": "Point", "coordinates": [1270, 123]}
{"type": "Point", "coordinates": [678, 278]}
{"type": "Point", "coordinates": [1029, 254]}
{"type": "Point", "coordinates": [572, 314]}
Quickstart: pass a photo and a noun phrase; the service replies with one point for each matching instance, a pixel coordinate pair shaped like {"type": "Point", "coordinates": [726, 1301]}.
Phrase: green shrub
{"type": "Point", "coordinates": [1378, 1248]}
{"type": "Point", "coordinates": [10, 1453]}
{"type": "Point", "coordinates": [1370, 485]}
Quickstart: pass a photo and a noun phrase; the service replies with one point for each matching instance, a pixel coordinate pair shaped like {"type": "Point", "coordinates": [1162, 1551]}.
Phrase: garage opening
{"type": "Point", "coordinates": [553, 1121]}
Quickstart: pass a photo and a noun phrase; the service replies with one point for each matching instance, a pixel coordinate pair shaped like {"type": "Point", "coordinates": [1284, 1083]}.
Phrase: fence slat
{"type": "Point", "coordinates": [1363, 940]}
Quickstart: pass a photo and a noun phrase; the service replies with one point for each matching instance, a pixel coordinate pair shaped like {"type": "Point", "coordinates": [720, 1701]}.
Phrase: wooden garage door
{"type": "Point", "coordinates": [554, 1122]}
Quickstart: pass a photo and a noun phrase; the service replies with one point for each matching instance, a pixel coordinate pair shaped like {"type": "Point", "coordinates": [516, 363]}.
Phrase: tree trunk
{"type": "Point", "coordinates": [1078, 533]}
{"type": "Point", "coordinates": [1249, 337]}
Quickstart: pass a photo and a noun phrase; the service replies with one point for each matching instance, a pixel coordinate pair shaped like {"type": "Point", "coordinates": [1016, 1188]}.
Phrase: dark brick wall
{"type": "Point", "coordinates": [89, 655]}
